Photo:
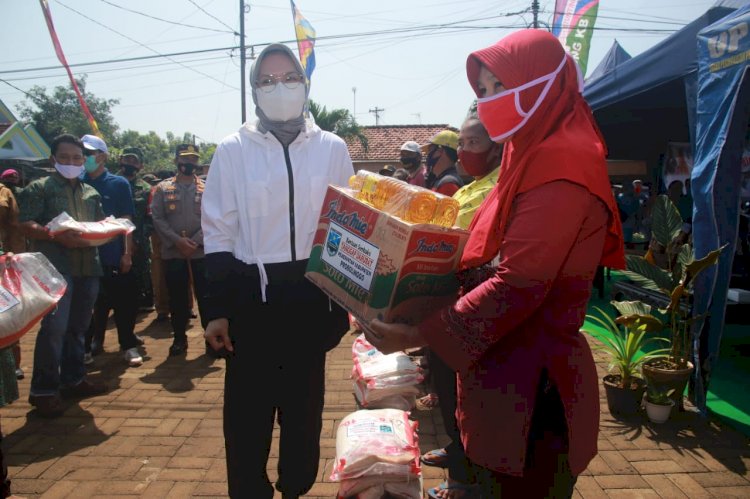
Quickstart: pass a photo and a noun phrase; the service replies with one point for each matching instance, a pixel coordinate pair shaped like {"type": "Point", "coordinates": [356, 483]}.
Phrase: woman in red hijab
{"type": "Point", "coordinates": [528, 398]}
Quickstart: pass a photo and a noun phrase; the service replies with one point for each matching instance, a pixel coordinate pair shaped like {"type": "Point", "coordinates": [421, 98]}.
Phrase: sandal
{"type": "Point", "coordinates": [429, 401]}
{"type": "Point", "coordinates": [435, 457]}
{"type": "Point", "coordinates": [468, 491]}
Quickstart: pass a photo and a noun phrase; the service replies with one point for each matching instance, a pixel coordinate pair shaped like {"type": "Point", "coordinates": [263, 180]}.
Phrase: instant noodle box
{"type": "Point", "coordinates": [378, 266]}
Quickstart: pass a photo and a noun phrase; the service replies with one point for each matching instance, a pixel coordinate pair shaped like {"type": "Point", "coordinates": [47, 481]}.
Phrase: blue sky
{"type": "Point", "coordinates": [415, 75]}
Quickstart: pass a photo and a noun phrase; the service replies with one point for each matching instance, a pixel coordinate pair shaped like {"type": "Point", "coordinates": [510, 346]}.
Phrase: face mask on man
{"type": "Point", "coordinates": [432, 159]}
{"type": "Point", "coordinates": [187, 168]}
{"type": "Point", "coordinates": [68, 171]}
{"type": "Point", "coordinates": [90, 164]}
{"type": "Point", "coordinates": [476, 164]}
{"type": "Point", "coordinates": [128, 170]}
{"type": "Point", "coordinates": [410, 163]}
{"type": "Point", "coordinates": [282, 103]}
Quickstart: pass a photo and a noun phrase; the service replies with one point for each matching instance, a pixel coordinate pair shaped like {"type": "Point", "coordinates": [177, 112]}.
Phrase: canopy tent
{"type": "Point", "coordinates": [648, 100]}
{"type": "Point", "coordinates": [615, 56]}
{"type": "Point", "coordinates": [723, 112]}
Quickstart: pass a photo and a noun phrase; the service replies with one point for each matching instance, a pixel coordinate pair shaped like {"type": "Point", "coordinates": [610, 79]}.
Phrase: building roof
{"type": "Point", "coordinates": [384, 142]}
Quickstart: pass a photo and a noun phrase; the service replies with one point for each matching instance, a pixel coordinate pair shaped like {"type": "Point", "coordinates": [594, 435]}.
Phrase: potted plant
{"type": "Point", "coordinates": [658, 403]}
{"type": "Point", "coordinates": [669, 268]}
{"type": "Point", "coordinates": [625, 344]}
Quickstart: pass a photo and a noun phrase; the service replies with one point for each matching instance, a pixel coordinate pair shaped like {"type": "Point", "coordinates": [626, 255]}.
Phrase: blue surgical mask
{"type": "Point", "coordinates": [90, 164]}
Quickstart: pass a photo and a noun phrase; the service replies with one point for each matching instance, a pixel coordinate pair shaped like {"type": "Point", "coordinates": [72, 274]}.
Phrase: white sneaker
{"type": "Point", "coordinates": [88, 359]}
{"type": "Point", "coordinates": [132, 357]}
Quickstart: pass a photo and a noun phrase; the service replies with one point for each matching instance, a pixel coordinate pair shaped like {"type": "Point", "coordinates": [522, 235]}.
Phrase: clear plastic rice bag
{"type": "Point", "coordinates": [95, 233]}
{"type": "Point", "coordinates": [30, 288]}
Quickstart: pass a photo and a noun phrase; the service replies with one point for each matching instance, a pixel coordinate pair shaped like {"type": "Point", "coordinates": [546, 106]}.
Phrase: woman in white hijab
{"type": "Point", "coordinates": [261, 207]}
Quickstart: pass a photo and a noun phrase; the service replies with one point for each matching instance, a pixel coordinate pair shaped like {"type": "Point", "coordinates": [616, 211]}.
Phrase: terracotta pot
{"type": "Point", "coordinates": [666, 379]}
{"type": "Point", "coordinates": [658, 413]}
{"type": "Point", "coordinates": [623, 401]}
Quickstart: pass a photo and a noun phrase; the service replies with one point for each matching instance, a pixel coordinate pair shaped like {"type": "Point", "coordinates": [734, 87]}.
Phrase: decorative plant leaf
{"type": "Point", "coordinates": [631, 307]}
{"type": "Point", "coordinates": [697, 266]}
{"type": "Point", "coordinates": [677, 293]}
{"type": "Point", "coordinates": [666, 220]}
{"type": "Point", "coordinates": [646, 274]}
{"type": "Point", "coordinates": [649, 322]}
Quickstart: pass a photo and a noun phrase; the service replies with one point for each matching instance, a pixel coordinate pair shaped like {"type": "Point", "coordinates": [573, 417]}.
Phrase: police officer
{"type": "Point", "coordinates": [131, 162]}
{"type": "Point", "coordinates": [176, 215]}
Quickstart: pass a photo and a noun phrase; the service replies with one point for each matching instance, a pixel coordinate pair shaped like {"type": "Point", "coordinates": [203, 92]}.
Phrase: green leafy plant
{"type": "Point", "coordinates": [659, 395]}
{"type": "Point", "coordinates": [627, 340]}
{"type": "Point", "coordinates": [669, 267]}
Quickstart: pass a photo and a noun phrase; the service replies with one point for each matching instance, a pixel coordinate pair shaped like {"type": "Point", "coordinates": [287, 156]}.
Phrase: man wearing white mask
{"type": "Point", "coordinates": [261, 206]}
{"type": "Point", "coordinates": [58, 354]}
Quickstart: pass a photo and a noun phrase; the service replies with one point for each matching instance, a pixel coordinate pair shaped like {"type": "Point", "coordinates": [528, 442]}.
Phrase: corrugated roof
{"type": "Point", "coordinates": [384, 142]}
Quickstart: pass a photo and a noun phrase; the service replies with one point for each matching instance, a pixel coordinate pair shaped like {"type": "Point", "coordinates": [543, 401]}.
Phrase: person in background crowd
{"type": "Point", "coordinates": [401, 174]}
{"type": "Point", "coordinates": [528, 393]}
{"type": "Point", "coordinates": [387, 170]}
{"type": "Point", "coordinates": [12, 180]}
{"type": "Point", "coordinates": [118, 288]}
{"type": "Point", "coordinates": [440, 158]}
{"type": "Point", "coordinates": [260, 213]}
{"type": "Point", "coordinates": [479, 157]}
{"type": "Point", "coordinates": [176, 215]}
{"type": "Point", "coordinates": [411, 160]}
{"type": "Point", "coordinates": [60, 342]}
{"type": "Point", "coordinates": [131, 163]}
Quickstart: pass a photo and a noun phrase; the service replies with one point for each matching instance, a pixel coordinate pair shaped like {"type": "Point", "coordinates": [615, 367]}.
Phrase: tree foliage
{"type": "Point", "coordinates": [60, 112]}
{"type": "Point", "coordinates": [338, 121]}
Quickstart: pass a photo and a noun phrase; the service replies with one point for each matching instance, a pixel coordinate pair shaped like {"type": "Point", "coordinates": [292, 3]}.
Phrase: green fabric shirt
{"type": "Point", "coordinates": [141, 191]}
{"type": "Point", "coordinates": [470, 196]}
{"type": "Point", "coordinates": [44, 199]}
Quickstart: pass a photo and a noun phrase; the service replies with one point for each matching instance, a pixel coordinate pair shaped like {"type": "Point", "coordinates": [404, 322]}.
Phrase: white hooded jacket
{"type": "Point", "coordinates": [262, 202]}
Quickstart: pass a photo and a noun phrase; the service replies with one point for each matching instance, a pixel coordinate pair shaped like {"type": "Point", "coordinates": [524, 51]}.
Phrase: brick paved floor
{"type": "Point", "coordinates": [158, 433]}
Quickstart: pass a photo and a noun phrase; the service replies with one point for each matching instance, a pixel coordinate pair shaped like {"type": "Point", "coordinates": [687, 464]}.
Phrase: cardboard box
{"type": "Point", "coordinates": [378, 266]}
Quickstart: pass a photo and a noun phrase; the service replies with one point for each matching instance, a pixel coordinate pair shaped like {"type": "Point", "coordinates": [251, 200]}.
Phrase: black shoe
{"type": "Point", "coordinates": [161, 317]}
{"type": "Point", "coordinates": [177, 349]}
{"type": "Point", "coordinates": [47, 406]}
{"type": "Point", "coordinates": [19, 373]}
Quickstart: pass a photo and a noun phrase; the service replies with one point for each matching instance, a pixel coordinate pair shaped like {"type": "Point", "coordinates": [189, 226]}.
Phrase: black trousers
{"type": "Point", "coordinates": [444, 383]}
{"type": "Point", "coordinates": [276, 373]}
{"type": "Point", "coordinates": [118, 292]}
{"type": "Point", "coordinates": [547, 472]}
{"type": "Point", "coordinates": [177, 274]}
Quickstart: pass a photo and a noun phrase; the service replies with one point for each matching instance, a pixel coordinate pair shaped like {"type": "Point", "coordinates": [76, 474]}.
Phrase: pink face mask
{"type": "Point", "coordinates": [502, 115]}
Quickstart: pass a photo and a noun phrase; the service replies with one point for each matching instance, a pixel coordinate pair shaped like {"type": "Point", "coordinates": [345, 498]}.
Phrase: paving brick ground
{"type": "Point", "coordinates": [158, 433]}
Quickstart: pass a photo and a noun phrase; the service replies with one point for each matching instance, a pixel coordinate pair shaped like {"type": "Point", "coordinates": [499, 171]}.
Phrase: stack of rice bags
{"type": "Point", "coordinates": [377, 454]}
{"type": "Point", "coordinates": [384, 381]}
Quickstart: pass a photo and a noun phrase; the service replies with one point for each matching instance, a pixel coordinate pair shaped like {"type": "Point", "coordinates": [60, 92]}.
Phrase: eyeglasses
{"type": "Point", "coordinates": [291, 80]}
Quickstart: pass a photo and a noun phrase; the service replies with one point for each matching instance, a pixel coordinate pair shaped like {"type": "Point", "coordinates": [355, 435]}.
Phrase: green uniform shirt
{"type": "Point", "coordinates": [141, 191]}
{"type": "Point", "coordinates": [44, 199]}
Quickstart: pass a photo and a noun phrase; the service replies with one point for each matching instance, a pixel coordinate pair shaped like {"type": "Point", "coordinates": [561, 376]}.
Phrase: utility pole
{"type": "Point", "coordinates": [535, 12]}
{"type": "Point", "coordinates": [377, 112]}
{"type": "Point", "coordinates": [242, 58]}
{"type": "Point", "coordinates": [354, 107]}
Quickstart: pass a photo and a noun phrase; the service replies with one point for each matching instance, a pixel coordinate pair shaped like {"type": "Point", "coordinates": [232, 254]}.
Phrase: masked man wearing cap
{"type": "Point", "coordinates": [59, 350]}
{"type": "Point", "coordinates": [131, 163]}
{"type": "Point", "coordinates": [176, 215]}
{"type": "Point", "coordinates": [263, 197]}
{"type": "Point", "coordinates": [411, 160]}
{"type": "Point", "coordinates": [118, 288]}
{"type": "Point", "coordinates": [441, 156]}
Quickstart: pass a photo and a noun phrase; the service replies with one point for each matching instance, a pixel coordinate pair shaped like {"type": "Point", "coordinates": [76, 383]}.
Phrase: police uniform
{"type": "Point", "coordinates": [176, 213]}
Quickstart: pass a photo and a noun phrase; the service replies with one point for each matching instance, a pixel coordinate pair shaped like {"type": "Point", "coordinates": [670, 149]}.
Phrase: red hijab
{"type": "Point", "coordinates": [560, 141]}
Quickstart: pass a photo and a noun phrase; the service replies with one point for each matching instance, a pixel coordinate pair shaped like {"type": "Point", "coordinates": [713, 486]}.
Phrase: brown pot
{"type": "Point", "coordinates": [665, 379]}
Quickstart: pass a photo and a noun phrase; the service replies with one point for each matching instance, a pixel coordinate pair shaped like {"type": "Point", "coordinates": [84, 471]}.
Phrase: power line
{"type": "Point", "coordinates": [141, 44]}
{"type": "Point", "coordinates": [165, 20]}
{"type": "Point", "coordinates": [213, 17]}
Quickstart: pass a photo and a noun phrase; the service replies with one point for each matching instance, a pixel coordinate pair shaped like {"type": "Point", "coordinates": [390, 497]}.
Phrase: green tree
{"type": "Point", "coordinates": [338, 121]}
{"type": "Point", "coordinates": [60, 112]}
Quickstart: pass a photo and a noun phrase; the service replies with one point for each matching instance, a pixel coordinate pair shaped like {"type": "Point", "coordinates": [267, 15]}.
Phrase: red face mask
{"type": "Point", "coordinates": [502, 115]}
{"type": "Point", "coordinates": [475, 163]}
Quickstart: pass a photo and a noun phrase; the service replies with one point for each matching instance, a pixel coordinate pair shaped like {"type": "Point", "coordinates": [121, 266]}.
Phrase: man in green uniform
{"type": "Point", "coordinates": [131, 162]}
